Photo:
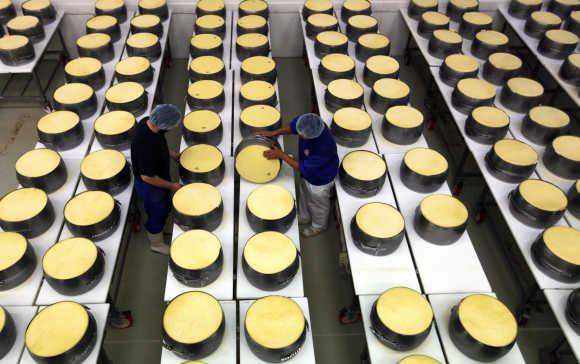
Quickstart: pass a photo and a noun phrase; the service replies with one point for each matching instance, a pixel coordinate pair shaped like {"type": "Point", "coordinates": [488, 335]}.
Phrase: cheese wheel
{"type": "Point", "coordinates": [195, 249]}
{"type": "Point", "coordinates": [418, 359]}
{"type": "Point", "coordinates": [364, 165]}
{"type": "Point", "coordinates": [124, 92]}
{"type": "Point", "coordinates": [561, 36]}
{"type": "Point", "coordinates": [345, 89]}
{"type": "Point", "coordinates": [57, 329]}
{"type": "Point", "coordinates": [114, 122]}
{"type": "Point", "coordinates": [382, 65]}
{"type": "Point", "coordinates": [260, 116]}
{"type": "Point", "coordinates": [487, 320]}
{"type": "Point", "coordinates": [515, 152]}
{"type": "Point", "coordinates": [356, 5]}
{"type": "Point", "coordinates": [476, 88]}
{"type": "Point", "coordinates": [318, 5]}
{"type": "Point", "coordinates": [11, 42]}
{"type": "Point", "coordinates": [530, 2]}
{"type": "Point", "coordinates": [337, 62]}
{"type": "Point", "coordinates": [362, 21]}
{"type": "Point", "coordinates": [145, 21]}
{"type": "Point", "coordinates": [525, 87]}
{"type": "Point", "coordinates": [210, 21]}
{"type": "Point", "coordinates": [425, 3]}
{"type": "Point", "coordinates": [379, 220]}
{"type": "Point", "coordinates": [444, 211]}
{"type": "Point", "coordinates": [275, 322]}
{"type": "Point", "coordinates": [270, 202]}
{"type": "Point", "coordinates": [462, 63]}
{"type": "Point", "coordinates": [574, 58]}
{"type": "Point", "coordinates": [205, 89]}
{"type": "Point", "coordinates": [83, 66]}
{"type": "Point", "coordinates": [269, 252]}
{"type": "Point", "coordinates": [58, 122]}
{"type": "Point", "coordinates": [69, 258]}
{"type": "Point", "coordinates": [564, 242]}
{"type": "Point", "coordinates": [22, 204]}
{"type": "Point", "coordinates": [258, 65]}
{"type": "Point", "coordinates": [490, 116]}
{"type": "Point", "coordinates": [404, 116]}
{"type": "Point", "coordinates": [2, 318]}
{"type": "Point", "coordinates": [35, 4]}
{"type": "Point", "coordinates": [252, 40]}
{"type": "Point", "coordinates": [492, 37]}
{"type": "Point", "coordinates": [12, 248]}
{"type": "Point", "coordinates": [351, 118]}
{"type": "Point", "coordinates": [331, 38]}
{"type": "Point", "coordinates": [257, 90]}
{"type": "Point", "coordinates": [73, 93]}
{"type": "Point", "coordinates": [545, 18]}
{"type": "Point", "coordinates": [252, 21]}
{"type": "Point", "coordinates": [132, 66]}
{"type": "Point", "coordinates": [101, 206]}
{"type": "Point", "coordinates": [505, 61]}
{"type": "Point", "coordinates": [192, 317]}
{"type": "Point", "coordinates": [254, 167]}
{"type": "Point", "coordinates": [567, 146]}
{"type": "Point", "coordinates": [207, 65]}
{"type": "Point", "coordinates": [93, 40]}
{"type": "Point", "coordinates": [109, 4]}
{"type": "Point", "coordinates": [103, 164]}
{"type": "Point", "coordinates": [211, 6]}
{"type": "Point", "coordinates": [23, 22]}
{"type": "Point", "coordinates": [253, 6]}
{"type": "Point", "coordinates": [477, 18]}
{"type": "Point", "coordinates": [435, 18]}
{"type": "Point", "coordinates": [463, 4]}
{"type": "Point", "coordinates": [201, 158]}
{"type": "Point", "coordinates": [448, 36]}
{"type": "Point", "coordinates": [152, 4]}
{"type": "Point", "coordinates": [100, 22]}
{"type": "Point", "coordinates": [404, 311]}
{"type": "Point", "coordinates": [425, 161]}
{"type": "Point", "coordinates": [142, 40]}
{"type": "Point", "coordinates": [373, 40]}
{"type": "Point", "coordinates": [37, 163]}
{"type": "Point", "coordinates": [391, 88]}
{"type": "Point", "coordinates": [202, 121]}
{"type": "Point", "coordinates": [543, 195]}
{"type": "Point", "coordinates": [549, 116]}
{"type": "Point", "coordinates": [322, 20]}
{"type": "Point", "coordinates": [206, 41]}
{"type": "Point", "coordinates": [197, 199]}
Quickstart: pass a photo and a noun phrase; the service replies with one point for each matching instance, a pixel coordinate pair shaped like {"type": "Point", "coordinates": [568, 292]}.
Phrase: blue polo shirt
{"type": "Point", "coordinates": [318, 159]}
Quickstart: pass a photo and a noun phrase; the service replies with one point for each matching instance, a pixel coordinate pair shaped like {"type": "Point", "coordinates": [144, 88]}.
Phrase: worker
{"type": "Point", "coordinates": [150, 157]}
{"type": "Point", "coordinates": [317, 164]}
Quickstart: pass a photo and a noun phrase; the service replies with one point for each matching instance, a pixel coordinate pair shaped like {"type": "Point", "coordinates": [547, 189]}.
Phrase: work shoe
{"type": "Point", "coordinates": [157, 243]}
{"type": "Point", "coordinates": [311, 231]}
{"type": "Point", "coordinates": [304, 221]}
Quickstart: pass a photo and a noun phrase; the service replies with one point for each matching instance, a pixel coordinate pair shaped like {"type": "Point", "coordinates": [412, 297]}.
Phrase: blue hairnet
{"type": "Point", "coordinates": [309, 126]}
{"type": "Point", "coordinates": [165, 116]}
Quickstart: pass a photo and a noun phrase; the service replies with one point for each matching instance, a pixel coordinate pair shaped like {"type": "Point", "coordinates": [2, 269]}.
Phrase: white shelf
{"type": "Point", "coordinates": [226, 352]}
{"type": "Point", "coordinates": [223, 287]}
{"type": "Point", "coordinates": [21, 316]}
{"type": "Point", "coordinates": [313, 61]}
{"type": "Point", "coordinates": [235, 61]}
{"type": "Point", "coordinates": [304, 356]}
{"type": "Point", "coordinates": [558, 298]}
{"type": "Point", "coordinates": [442, 304]}
{"type": "Point", "coordinates": [379, 353]}
{"type": "Point", "coordinates": [422, 43]}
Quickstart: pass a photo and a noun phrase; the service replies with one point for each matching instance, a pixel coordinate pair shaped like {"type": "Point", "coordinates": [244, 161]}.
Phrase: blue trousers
{"type": "Point", "coordinates": [157, 202]}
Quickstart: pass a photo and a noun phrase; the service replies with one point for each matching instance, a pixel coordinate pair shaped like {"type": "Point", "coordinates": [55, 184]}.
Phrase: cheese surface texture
{"type": "Point", "coordinates": [254, 167]}
{"type": "Point", "coordinates": [83, 66]}
{"type": "Point", "coordinates": [101, 204]}
{"type": "Point", "coordinates": [345, 89]}
{"type": "Point", "coordinates": [435, 18]}
{"type": "Point", "coordinates": [124, 92]}
{"type": "Point", "coordinates": [109, 4]}
{"type": "Point", "coordinates": [462, 63]}
{"type": "Point", "coordinates": [444, 211]}
{"type": "Point", "coordinates": [404, 116]}
{"type": "Point", "coordinates": [356, 5]}
{"type": "Point", "coordinates": [252, 21]}
{"type": "Point", "coordinates": [270, 202]}
{"type": "Point", "coordinates": [145, 21]}
{"type": "Point", "coordinates": [391, 88]}
{"type": "Point", "coordinates": [260, 116]}
{"type": "Point", "coordinates": [69, 258]}
{"type": "Point", "coordinates": [448, 36]}
{"type": "Point", "coordinates": [23, 22]}
{"type": "Point", "coordinates": [351, 118]}
{"type": "Point", "coordinates": [525, 86]}
{"type": "Point", "coordinates": [195, 249]}
{"type": "Point", "coordinates": [269, 252]}
{"type": "Point", "coordinates": [567, 146]}
{"type": "Point", "coordinates": [564, 242]}
{"type": "Point", "coordinates": [337, 62]}
{"type": "Point", "coordinates": [35, 4]}
{"type": "Point", "coordinates": [142, 40]}
{"type": "Point", "coordinates": [492, 37]}
{"type": "Point", "coordinates": [73, 93]}
{"type": "Point", "coordinates": [100, 22]}
{"type": "Point", "coordinates": [207, 65]}
{"type": "Point", "coordinates": [206, 41]}
{"type": "Point", "coordinates": [505, 61]}
{"type": "Point", "coordinates": [211, 5]}
{"type": "Point", "coordinates": [404, 311]}
{"type": "Point", "coordinates": [58, 122]}
{"type": "Point", "coordinates": [11, 42]}
{"type": "Point", "coordinates": [197, 199]}
{"type": "Point", "coordinates": [152, 4]}
{"type": "Point", "coordinates": [210, 21]}
{"type": "Point", "coordinates": [490, 116]}
{"type": "Point", "coordinates": [374, 40]}
{"type": "Point", "coordinates": [322, 20]}
{"type": "Point", "coordinates": [362, 21]}
{"type": "Point", "coordinates": [103, 164]}
{"type": "Point", "coordinates": [253, 6]}
{"type": "Point", "coordinates": [379, 220]}
{"type": "Point", "coordinates": [205, 89]}
{"type": "Point", "coordinates": [257, 90]}
{"type": "Point", "coordinates": [331, 38]}
{"type": "Point", "coordinates": [477, 18]}
{"type": "Point", "coordinates": [38, 163]}
{"type": "Point", "coordinates": [94, 40]}
{"type": "Point", "coordinates": [22, 204]}
{"type": "Point", "coordinates": [382, 64]}
{"type": "Point", "coordinates": [549, 116]}
{"type": "Point", "coordinates": [515, 152]}
{"type": "Point", "coordinates": [425, 161]}
{"type": "Point", "coordinates": [318, 5]}
{"type": "Point", "coordinates": [12, 249]}
{"type": "Point", "coordinates": [132, 66]}
{"type": "Point", "coordinates": [258, 65]}
{"type": "Point", "coordinates": [543, 195]}
{"type": "Point", "coordinates": [476, 88]}
{"type": "Point", "coordinates": [202, 121]}
{"type": "Point", "coordinates": [114, 122]}
{"type": "Point", "coordinates": [546, 18]}
{"type": "Point", "coordinates": [201, 158]}
{"type": "Point", "coordinates": [364, 165]}
{"type": "Point", "coordinates": [252, 40]}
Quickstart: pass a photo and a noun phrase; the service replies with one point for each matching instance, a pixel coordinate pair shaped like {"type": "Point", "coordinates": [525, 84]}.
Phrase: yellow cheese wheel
{"type": "Point", "coordinates": [492, 37]}
{"type": "Point", "coordinates": [210, 5]}
{"type": "Point", "coordinates": [94, 40]}
{"type": "Point", "coordinates": [487, 320]}
{"type": "Point", "coordinates": [515, 152]}
{"type": "Point", "coordinates": [38, 163]}
{"type": "Point", "coordinates": [22, 204]}
{"type": "Point", "coordinates": [103, 164]}
{"type": "Point", "coordinates": [257, 90]}
{"type": "Point", "coordinates": [477, 18]}
{"type": "Point", "coordinates": [575, 15]}
{"type": "Point", "coordinates": [2, 318]}
{"type": "Point", "coordinates": [12, 249]}
{"type": "Point", "coordinates": [252, 40]}
{"type": "Point", "coordinates": [505, 61]}
{"type": "Point", "coordinates": [490, 116]}
{"type": "Point", "coordinates": [530, 2]}
{"type": "Point", "coordinates": [543, 195]}
{"type": "Point", "coordinates": [444, 211]}
{"type": "Point", "coordinates": [23, 22]}
{"type": "Point", "coordinates": [132, 66]}
{"type": "Point", "coordinates": [345, 89]}
{"type": "Point", "coordinates": [567, 2]}
{"type": "Point", "coordinates": [115, 122]}
{"type": "Point", "coordinates": [476, 88]}
{"type": "Point", "coordinates": [379, 220]}
{"type": "Point", "coordinates": [391, 88]}
{"type": "Point", "coordinates": [351, 118]}
{"type": "Point", "coordinates": [381, 64]}
{"type": "Point", "coordinates": [364, 165]}
{"type": "Point", "coordinates": [109, 4]}
{"type": "Point", "coordinates": [318, 5]}
{"type": "Point", "coordinates": [322, 20]}
{"type": "Point", "coordinates": [462, 63]}
{"type": "Point", "coordinates": [77, 213]}
{"type": "Point", "coordinates": [435, 18]}
{"type": "Point", "coordinates": [525, 86]}
{"type": "Point", "coordinates": [145, 21]}
{"type": "Point", "coordinates": [425, 3]}
{"type": "Point", "coordinates": [206, 41]}
{"type": "Point", "coordinates": [258, 65]}
{"type": "Point", "coordinates": [253, 6]}
{"type": "Point", "coordinates": [373, 40]}
{"type": "Point", "coordinates": [425, 161]}
{"type": "Point", "coordinates": [269, 252]}
{"type": "Point", "coordinates": [567, 146]}
{"type": "Point", "coordinates": [331, 38]}
{"type": "Point", "coordinates": [152, 4]}
{"type": "Point", "coordinates": [207, 65]}
{"type": "Point", "coordinates": [252, 21]}
{"type": "Point", "coordinates": [254, 167]}
{"type": "Point", "coordinates": [195, 249]}
{"type": "Point", "coordinates": [274, 322]}
{"type": "Point", "coordinates": [57, 329]}
{"type": "Point", "coordinates": [362, 21]}
{"type": "Point", "coordinates": [448, 36]}
{"type": "Point", "coordinates": [124, 92]}
{"type": "Point", "coordinates": [73, 93]}
{"type": "Point", "coordinates": [404, 116]}
{"type": "Point", "coordinates": [564, 242]}
{"type": "Point", "coordinates": [201, 158]}
{"type": "Point", "coordinates": [69, 258]}
{"type": "Point", "coordinates": [100, 22]}
{"type": "Point", "coordinates": [463, 4]}
{"type": "Point", "coordinates": [142, 40]}
{"type": "Point", "coordinates": [197, 199]}
{"type": "Point", "coordinates": [549, 116]}
{"type": "Point", "coordinates": [545, 18]}
{"type": "Point", "coordinates": [3, 5]}
{"type": "Point", "coordinates": [202, 121]}
{"type": "Point", "coordinates": [418, 359]}
{"type": "Point", "coordinates": [561, 36]}
{"type": "Point", "coordinates": [356, 5]}
{"type": "Point", "coordinates": [192, 317]}
{"type": "Point", "coordinates": [337, 62]}
{"type": "Point", "coordinates": [260, 116]}
{"type": "Point", "coordinates": [11, 42]}
{"type": "Point", "coordinates": [35, 4]}
{"type": "Point", "coordinates": [574, 58]}
{"type": "Point", "coordinates": [83, 66]}
{"type": "Point", "coordinates": [58, 122]}
{"type": "Point", "coordinates": [210, 21]}
{"type": "Point", "coordinates": [205, 89]}
{"type": "Point", "coordinates": [270, 202]}
{"type": "Point", "coordinates": [404, 311]}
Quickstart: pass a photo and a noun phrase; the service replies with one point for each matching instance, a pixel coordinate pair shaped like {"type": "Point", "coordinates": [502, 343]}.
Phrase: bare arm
{"type": "Point", "coordinates": [285, 130]}
{"type": "Point", "coordinates": [161, 183]}
{"type": "Point", "coordinates": [276, 153]}
{"type": "Point", "coordinates": [291, 161]}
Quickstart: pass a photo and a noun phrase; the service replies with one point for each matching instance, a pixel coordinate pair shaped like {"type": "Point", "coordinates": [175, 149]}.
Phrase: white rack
{"type": "Point", "coordinates": [558, 298]}
{"type": "Point", "coordinates": [21, 316]}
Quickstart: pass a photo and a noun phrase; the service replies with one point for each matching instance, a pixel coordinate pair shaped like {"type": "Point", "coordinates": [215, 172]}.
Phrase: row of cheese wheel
{"type": "Point", "coordinates": [367, 44]}
{"type": "Point", "coordinates": [563, 8]}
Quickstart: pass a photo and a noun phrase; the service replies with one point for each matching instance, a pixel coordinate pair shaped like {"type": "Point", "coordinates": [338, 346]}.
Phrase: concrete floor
{"type": "Point", "coordinates": [327, 285]}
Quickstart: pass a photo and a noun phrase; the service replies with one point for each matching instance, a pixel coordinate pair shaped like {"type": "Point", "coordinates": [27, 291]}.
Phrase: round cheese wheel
{"type": "Point", "coordinates": [543, 195]}
{"type": "Point", "coordinates": [549, 116]}
{"type": "Point", "coordinates": [35, 4]}
{"type": "Point", "coordinates": [487, 320]}
{"type": "Point", "coordinates": [492, 37]}
{"type": "Point", "coordinates": [258, 65]}
{"type": "Point", "coordinates": [73, 93]}
{"type": "Point", "coordinates": [192, 317]}
{"type": "Point", "coordinates": [76, 211]}
{"type": "Point", "coordinates": [210, 21]}
{"type": "Point", "coordinates": [23, 22]}
{"type": "Point", "coordinates": [11, 42]}
{"type": "Point", "coordinates": [425, 3]}
{"type": "Point", "coordinates": [391, 88]}
{"type": "Point", "coordinates": [206, 41]}
{"type": "Point", "coordinates": [260, 116]}
{"type": "Point", "coordinates": [356, 5]}
{"type": "Point", "coordinates": [322, 20]}
{"type": "Point", "coordinates": [275, 322]}
{"type": "Point", "coordinates": [476, 88]}
{"type": "Point", "coordinates": [374, 40]}
{"type": "Point", "coordinates": [477, 18]}
{"type": "Point", "coordinates": [444, 211]}
{"type": "Point", "coordinates": [337, 62]}
{"type": "Point", "coordinates": [545, 18]}
{"type": "Point", "coordinates": [196, 199]}
{"type": "Point", "coordinates": [418, 359]}
{"type": "Point", "coordinates": [12, 248]}
{"type": "Point", "coordinates": [490, 116]}
{"type": "Point", "coordinates": [109, 4]}
{"type": "Point", "coordinates": [462, 63]}
{"type": "Point", "coordinates": [525, 86]}
{"type": "Point", "coordinates": [254, 167]}
{"type": "Point", "coordinates": [362, 21]}
{"type": "Point", "coordinates": [351, 118]}
{"type": "Point", "coordinates": [435, 18]}
{"type": "Point", "coordinates": [567, 146]}
{"type": "Point", "coordinates": [201, 158]}
{"type": "Point", "coordinates": [381, 64]}
{"type": "Point", "coordinates": [100, 22]}
{"type": "Point", "coordinates": [515, 152]}
{"type": "Point", "coordinates": [404, 116]}
{"type": "Point", "coordinates": [145, 21]}
{"type": "Point", "coordinates": [404, 311]}
{"type": "Point", "coordinates": [57, 329]}
{"type": "Point", "coordinates": [448, 36]}
{"type": "Point", "coordinates": [505, 61]}
{"type": "Point", "coordinates": [142, 40]}
{"type": "Point", "coordinates": [253, 6]}
{"type": "Point", "coordinates": [93, 40]}
{"type": "Point", "coordinates": [115, 122]}
{"type": "Point", "coordinates": [195, 249]}
{"type": "Point", "coordinates": [269, 252]}
{"type": "Point", "coordinates": [124, 92]}
{"type": "Point", "coordinates": [103, 164]}
{"type": "Point", "coordinates": [564, 242]}
{"type": "Point", "coordinates": [574, 58]}
{"type": "Point", "coordinates": [561, 36]}
{"type": "Point", "coordinates": [69, 258]}
{"type": "Point", "coordinates": [270, 202]}
{"type": "Point", "coordinates": [252, 21]}
{"type": "Point", "coordinates": [132, 66]}
{"type": "Point", "coordinates": [463, 4]}
{"type": "Point", "coordinates": [425, 161]}
{"type": "Point", "coordinates": [202, 121]}
{"type": "Point", "coordinates": [331, 38]}
{"type": "Point", "coordinates": [22, 204]}
{"type": "Point", "coordinates": [252, 40]}
{"type": "Point", "coordinates": [83, 66]}
{"type": "Point", "coordinates": [364, 165]}
{"type": "Point", "coordinates": [379, 220]}
{"type": "Point", "coordinates": [210, 5]}
{"type": "Point", "coordinates": [37, 162]}
{"type": "Point", "coordinates": [345, 89]}
{"type": "Point", "coordinates": [318, 5]}
{"type": "Point", "coordinates": [207, 65]}
{"type": "Point", "coordinates": [205, 89]}
{"type": "Point", "coordinates": [152, 4]}
{"type": "Point", "coordinates": [58, 122]}
{"type": "Point", "coordinates": [257, 90]}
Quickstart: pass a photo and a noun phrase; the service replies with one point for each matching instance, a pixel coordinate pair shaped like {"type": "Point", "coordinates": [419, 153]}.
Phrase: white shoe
{"type": "Point", "coordinates": [157, 243]}
{"type": "Point", "coordinates": [311, 231]}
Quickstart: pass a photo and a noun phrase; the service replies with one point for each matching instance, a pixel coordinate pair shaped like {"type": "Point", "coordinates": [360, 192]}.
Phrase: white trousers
{"type": "Point", "coordinates": [314, 203]}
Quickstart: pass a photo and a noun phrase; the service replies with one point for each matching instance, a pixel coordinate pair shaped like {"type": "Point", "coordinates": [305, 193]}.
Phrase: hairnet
{"type": "Point", "coordinates": [309, 126]}
{"type": "Point", "coordinates": [165, 116]}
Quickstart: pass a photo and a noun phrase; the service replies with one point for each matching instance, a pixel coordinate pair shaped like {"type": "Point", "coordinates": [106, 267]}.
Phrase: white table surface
{"type": "Point", "coordinates": [39, 47]}
{"type": "Point", "coordinates": [442, 304]}
{"type": "Point", "coordinates": [100, 313]}
{"type": "Point", "coordinates": [244, 289]}
{"type": "Point", "coordinates": [379, 353]}
{"type": "Point", "coordinates": [235, 61]}
{"type": "Point", "coordinates": [451, 268]}
{"type": "Point", "coordinates": [21, 316]}
{"type": "Point", "coordinates": [223, 287]}
{"type": "Point", "coordinates": [313, 61]}
{"type": "Point", "coordinates": [226, 352]}
{"type": "Point", "coordinates": [304, 356]}
{"type": "Point", "coordinates": [558, 298]}
{"type": "Point", "coordinates": [374, 274]}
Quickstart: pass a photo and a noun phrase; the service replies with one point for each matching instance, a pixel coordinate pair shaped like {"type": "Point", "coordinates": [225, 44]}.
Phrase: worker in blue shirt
{"type": "Point", "coordinates": [318, 166]}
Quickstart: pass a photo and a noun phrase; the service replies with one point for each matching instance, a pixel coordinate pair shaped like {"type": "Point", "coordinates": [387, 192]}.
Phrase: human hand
{"type": "Point", "coordinates": [274, 153]}
{"type": "Point", "coordinates": [174, 154]}
{"type": "Point", "coordinates": [175, 186]}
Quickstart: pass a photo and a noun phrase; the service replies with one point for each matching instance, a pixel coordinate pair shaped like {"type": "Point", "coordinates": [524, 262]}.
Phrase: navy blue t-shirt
{"type": "Point", "coordinates": [318, 159]}
{"type": "Point", "coordinates": [149, 152]}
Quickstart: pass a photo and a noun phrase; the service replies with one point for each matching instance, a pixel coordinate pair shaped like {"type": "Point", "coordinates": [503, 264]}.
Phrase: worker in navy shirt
{"type": "Point", "coordinates": [318, 166]}
{"type": "Point", "coordinates": [150, 159]}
